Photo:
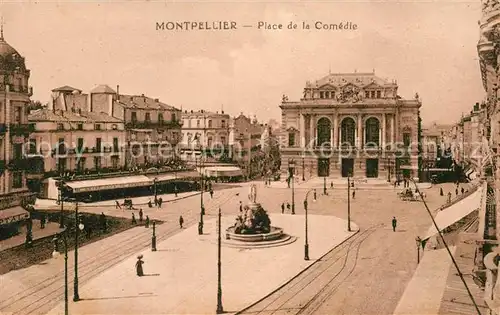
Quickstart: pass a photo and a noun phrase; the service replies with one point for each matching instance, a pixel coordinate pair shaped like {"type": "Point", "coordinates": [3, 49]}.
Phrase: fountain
{"type": "Point", "coordinates": [253, 226]}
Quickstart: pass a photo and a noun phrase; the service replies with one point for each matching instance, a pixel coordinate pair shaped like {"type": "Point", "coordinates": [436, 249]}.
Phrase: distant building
{"type": "Point", "coordinates": [245, 136]}
{"type": "Point", "coordinates": [14, 130]}
{"type": "Point", "coordinates": [349, 124]}
{"type": "Point", "coordinates": [204, 131]}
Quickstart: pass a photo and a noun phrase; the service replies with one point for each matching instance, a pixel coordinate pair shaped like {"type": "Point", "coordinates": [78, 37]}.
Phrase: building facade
{"type": "Point", "coordinates": [204, 131]}
{"type": "Point", "coordinates": [352, 124]}
{"type": "Point", "coordinates": [245, 136]}
{"type": "Point", "coordinates": [152, 128]}
{"type": "Point", "coordinates": [14, 131]}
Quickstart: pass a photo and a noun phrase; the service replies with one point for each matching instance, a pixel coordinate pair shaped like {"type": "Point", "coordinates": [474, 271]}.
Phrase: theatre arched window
{"type": "Point", "coordinates": [324, 128]}
{"type": "Point", "coordinates": [372, 132]}
{"type": "Point", "coordinates": [348, 132]}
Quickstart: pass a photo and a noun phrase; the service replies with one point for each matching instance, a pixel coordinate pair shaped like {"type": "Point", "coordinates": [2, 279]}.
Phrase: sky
{"type": "Point", "coordinates": [428, 47]}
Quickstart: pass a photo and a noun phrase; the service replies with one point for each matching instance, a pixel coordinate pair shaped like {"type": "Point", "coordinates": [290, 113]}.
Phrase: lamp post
{"type": "Point", "coordinates": [153, 238]}
{"type": "Point", "coordinates": [348, 203]}
{"type": "Point", "coordinates": [291, 168]}
{"type": "Point", "coordinates": [418, 240]}
{"type": "Point", "coordinates": [303, 168]}
{"type": "Point", "coordinates": [155, 190]}
{"type": "Point", "coordinates": [78, 227]}
{"type": "Point", "coordinates": [220, 309]}
{"type": "Point", "coordinates": [388, 170]}
{"type": "Point", "coordinates": [61, 202]}
{"type": "Point", "coordinates": [324, 185]}
{"type": "Point", "coordinates": [56, 254]}
{"type": "Point", "coordinates": [202, 187]}
{"type": "Point", "coordinates": [306, 244]}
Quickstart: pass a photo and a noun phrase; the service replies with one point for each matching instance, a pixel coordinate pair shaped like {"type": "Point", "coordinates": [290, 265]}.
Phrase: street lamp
{"type": "Point", "coordinates": [78, 227]}
{"type": "Point", "coordinates": [220, 309]}
{"type": "Point", "coordinates": [56, 254]}
{"type": "Point", "coordinates": [155, 190]}
{"type": "Point", "coordinates": [418, 240]}
{"type": "Point", "coordinates": [324, 185]}
{"type": "Point", "coordinates": [61, 201]}
{"type": "Point", "coordinates": [306, 245]}
{"type": "Point", "coordinates": [202, 187]}
{"type": "Point", "coordinates": [349, 202]}
{"type": "Point", "coordinates": [388, 170]}
{"type": "Point", "coordinates": [291, 168]}
{"type": "Point", "coordinates": [153, 239]}
{"type": "Point", "coordinates": [303, 168]}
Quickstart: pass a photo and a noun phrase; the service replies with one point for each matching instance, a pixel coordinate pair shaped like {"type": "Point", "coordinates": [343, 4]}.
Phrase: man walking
{"type": "Point", "coordinates": [353, 194]}
{"type": "Point", "coordinates": [462, 190]}
{"type": "Point", "coordinates": [140, 215]}
{"type": "Point", "coordinates": [160, 201]}
{"type": "Point", "coordinates": [288, 206]}
{"type": "Point", "coordinates": [241, 207]}
{"type": "Point", "coordinates": [282, 208]}
{"type": "Point", "coordinates": [181, 221]}
{"type": "Point", "coordinates": [133, 219]}
{"type": "Point", "coordinates": [394, 223]}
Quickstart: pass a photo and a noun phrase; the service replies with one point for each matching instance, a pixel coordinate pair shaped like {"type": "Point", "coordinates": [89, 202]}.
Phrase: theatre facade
{"type": "Point", "coordinates": [350, 124]}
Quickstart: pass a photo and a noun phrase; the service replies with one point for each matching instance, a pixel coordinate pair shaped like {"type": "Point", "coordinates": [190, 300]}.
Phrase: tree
{"type": "Point", "coordinates": [34, 105]}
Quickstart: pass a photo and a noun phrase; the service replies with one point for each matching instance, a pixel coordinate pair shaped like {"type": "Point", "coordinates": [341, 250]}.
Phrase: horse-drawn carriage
{"type": "Point", "coordinates": [409, 195]}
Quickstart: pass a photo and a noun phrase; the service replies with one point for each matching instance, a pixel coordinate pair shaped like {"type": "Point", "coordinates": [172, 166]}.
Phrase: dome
{"type": "Point", "coordinates": [10, 59]}
{"type": "Point", "coordinates": [6, 49]}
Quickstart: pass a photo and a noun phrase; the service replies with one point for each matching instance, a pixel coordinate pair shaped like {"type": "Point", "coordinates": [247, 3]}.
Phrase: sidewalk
{"type": "Point", "coordinates": [51, 228]}
{"type": "Point", "coordinates": [341, 183]}
{"type": "Point", "coordinates": [182, 274]}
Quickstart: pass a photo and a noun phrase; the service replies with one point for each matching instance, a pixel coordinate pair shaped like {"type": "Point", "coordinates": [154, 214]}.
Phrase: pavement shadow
{"type": "Point", "coordinates": [117, 297]}
{"type": "Point", "coordinates": [151, 274]}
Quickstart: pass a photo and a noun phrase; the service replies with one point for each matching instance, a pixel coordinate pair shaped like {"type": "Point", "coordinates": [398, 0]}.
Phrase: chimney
{"type": "Point", "coordinates": [117, 92]}
{"type": "Point", "coordinates": [222, 112]}
{"type": "Point", "coordinates": [157, 100]}
{"type": "Point", "coordinates": [191, 111]}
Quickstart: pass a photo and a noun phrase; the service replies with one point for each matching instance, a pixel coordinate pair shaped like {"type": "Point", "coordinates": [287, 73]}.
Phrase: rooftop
{"type": "Point", "coordinates": [356, 78]}
{"type": "Point", "coordinates": [103, 88]}
{"type": "Point", "coordinates": [143, 102]}
{"type": "Point", "coordinates": [68, 116]}
{"type": "Point", "coordinates": [66, 88]}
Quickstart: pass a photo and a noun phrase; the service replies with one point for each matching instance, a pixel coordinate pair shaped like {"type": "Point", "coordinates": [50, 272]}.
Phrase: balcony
{"type": "Point", "coordinates": [152, 125]}
{"type": "Point", "coordinates": [21, 129]}
{"type": "Point", "coordinates": [19, 164]}
{"type": "Point", "coordinates": [35, 165]}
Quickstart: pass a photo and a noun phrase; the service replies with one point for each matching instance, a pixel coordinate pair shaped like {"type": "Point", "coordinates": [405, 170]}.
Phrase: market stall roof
{"type": "Point", "coordinates": [12, 215]}
{"type": "Point", "coordinates": [175, 176]}
{"type": "Point", "coordinates": [109, 183]}
{"type": "Point", "coordinates": [222, 171]}
{"type": "Point", "coordinates": [455, 212]}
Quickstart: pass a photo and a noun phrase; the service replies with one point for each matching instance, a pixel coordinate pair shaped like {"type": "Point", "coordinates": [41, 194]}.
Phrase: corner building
{"type": "Point", "coordinates": [351, 124]}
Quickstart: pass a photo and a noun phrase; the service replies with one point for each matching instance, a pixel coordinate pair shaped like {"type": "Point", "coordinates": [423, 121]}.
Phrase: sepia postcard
{"type": "Point", "coordinates": [256, 157]}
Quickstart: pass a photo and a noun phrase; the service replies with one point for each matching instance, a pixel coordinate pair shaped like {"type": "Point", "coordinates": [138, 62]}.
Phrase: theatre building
{"type": "Point", "coordinates": [350, 124]}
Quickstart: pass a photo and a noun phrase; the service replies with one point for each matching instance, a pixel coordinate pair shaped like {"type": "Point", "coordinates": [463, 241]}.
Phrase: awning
{"type": "Point", "coordinates": [455, 212]}
{"type": "Point", "coordinates": [222, 171]}
{"type": "Point", "coordinates": [175, 176]}
{"type": "Point", "coordinates": [109, 183]}
{"type": "Point", "coordinates": [12, 215]}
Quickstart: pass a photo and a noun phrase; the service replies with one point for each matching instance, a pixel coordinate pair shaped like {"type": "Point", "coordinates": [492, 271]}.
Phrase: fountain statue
{"type": "Point", "coordinates": [254, 219]}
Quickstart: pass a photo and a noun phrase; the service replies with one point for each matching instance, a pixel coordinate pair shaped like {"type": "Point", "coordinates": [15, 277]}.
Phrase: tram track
{"type": "Point", "coordinates": [30, 301]}
{"type": "Point", "coordinates": [305, 293]}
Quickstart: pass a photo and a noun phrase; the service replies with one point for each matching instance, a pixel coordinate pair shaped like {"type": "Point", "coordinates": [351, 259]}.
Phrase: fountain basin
{"type": "Point", "coordinates": [276, 233]}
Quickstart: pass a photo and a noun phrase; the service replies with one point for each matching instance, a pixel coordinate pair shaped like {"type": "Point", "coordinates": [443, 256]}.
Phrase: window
{"type": "Point", "coordinates": [160, 118]}
{"type": "Point", "coordinates": [323, 131]}
{"type": "Point", "coordinates": [61, 165]}
{"type": "Point", "coordinates": [61, 146]}
{"type": "Point", "coordinates": [133, 117]}
{"type": "Point", "coordinates": [98, 145]}
{"type": "Point", "coordinates": [223, 140]}
{"type": "Point", "coordinates": [17, 180]}
{"type": "Point", "coordinates": [97, 126]}
{"type": "Point", "coordinates": [115, 162]}
{"type": "Point", "coordinates": [209, 143]}
{"type": "Point", "coordinates": [198, 123]}
{"type": "Point", "coordinates": [209, 123]}
{"type": "Point", "coordinates": [348, 132]}
{"type": "Point", "coordinates": [372, 94]}
{"type": "Point", "coordinates": [114, 126]}
{"type": "Point", "coordinates": [80, 165]}
{"type": "Point", "coordinates": [60, 126]}
{"type": "Point", "coordinates": [115, 145]}
{"type": "Point", "coordinates": [367, 94]}
{"type": "Point", "coordinates": [321, 94]}
{"type": "Point", "coordinates": [291, 139]}
{"type": "Point", "coordinates": [20, 84]}
{"type": "Point", "coordinates": [332, 94]}
{"type": "Point", "coordinates": [173, 117]}
{"type": "Point", "coordinates": [79, 127]}
{"type": "Point", "coordinates": [97, 162]}
{"type": "Point", "coordinates": [18, 115]}
{"type": "Point", "coordinates": [223, 124]}
{"type": "Point", "coordinates": [379, 94]}
{"type": "Point", "coordinates": [406, 139]}
{"type": "Point", "coordinates": [147, 118]}
{"type": "Point", "coordinates": [32, 147]}
{"type": "Point", "coordinates": [17, 151]}
{"type": "Point", "coordinates": [372, 132]}
{"type": "Point", "coordinates": [79, 147]}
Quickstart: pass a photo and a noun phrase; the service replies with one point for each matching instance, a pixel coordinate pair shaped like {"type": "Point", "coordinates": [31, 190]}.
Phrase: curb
{"type": "Point", "coordinates": [294, 277]}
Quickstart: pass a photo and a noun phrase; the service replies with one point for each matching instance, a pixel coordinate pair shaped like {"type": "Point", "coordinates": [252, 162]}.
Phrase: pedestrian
{"type": "Point", "coordinates": [331, 185]}
{"type": "Point", "coordinates": [138, 266]}
{"type": "Point", "coordinates": [394, 223]}
{"type": "Point", "coordinates": [211, 193]}
{"type": "Point", "coordinates": [181, 221]}
{"type": "Point", "coordinates": [140, 215]}
{"type": "Point", "coordinates": [160, 202]}
{"type": "Point", "coordinates": [462, 190]}
{"type": "Point", "coordinates": [288, 206]}
{"type": "Point", "coordinates": [456, 191]}
{"type": "Point", "coordinates": [147, 222]}
{"type": "Point", "coordinates": [241, 207]}
{"type": "Point", "coordinates": [395, 183]}
{"type": "Point", "coordinates": [449, 197]}
{"type": "Point", "coordinates": [133, 219]}
{"type": "Point", "coordinates": [353, 194]}
{"type": "Point", "coordinates": [175, 191]}
{"type": "Point", "coordinates": [441, 191]}
{"type": "Point", "coordinates": [42, 221]}
{"type": "Point", "coordinates": [150, 204]}
{"type": "Point", "coordinates": [283, 208]}
{"type": "Point", "coordinates": [117, 205]}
